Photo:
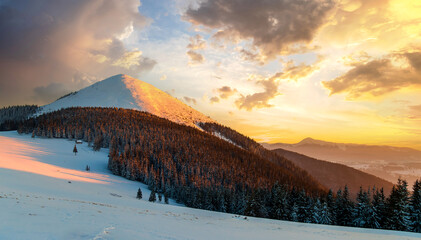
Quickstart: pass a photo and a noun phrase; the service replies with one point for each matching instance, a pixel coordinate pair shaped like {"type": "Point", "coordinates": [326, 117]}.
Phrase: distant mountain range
{"type": "Point", "coordinates": [386, 162]}
{"type": "Point", "coordinates": [334, 175]}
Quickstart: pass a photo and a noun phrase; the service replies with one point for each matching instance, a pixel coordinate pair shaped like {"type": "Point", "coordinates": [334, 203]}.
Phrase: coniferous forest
{"type": "Point", "coordinates": [203, 171]}
{"type": "Point", "coordinates": [11, 116]}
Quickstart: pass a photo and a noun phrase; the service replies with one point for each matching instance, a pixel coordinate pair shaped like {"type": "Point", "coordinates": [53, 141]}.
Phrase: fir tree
{"type": "Point", "coordinates": [139, 194]}
{"type": "Point", "coordinates": [160, 196]}
{"type": "Point", "coordinates": [75, 149]}
{"type": "Point", "coordinates": [363, 212]}
{"type": "Point", "coordinates": [344, 206]}
{"type": "Point", "coordinates": [398, 207]}
{"type": "Point", "coordinates": [152, 197]}
{"type": "Point", "coordinates": [379, 207]}
{"type": "Point", "coordinates": [88, 168]}
{"type": "Point", "coordinates": [321, 213]}
{"type": "Point", "coordinates": [415, 207]}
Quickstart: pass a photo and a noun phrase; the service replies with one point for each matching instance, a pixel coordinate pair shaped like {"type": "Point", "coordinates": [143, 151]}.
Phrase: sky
{"type": "Point", "coordinates": [277, 71]}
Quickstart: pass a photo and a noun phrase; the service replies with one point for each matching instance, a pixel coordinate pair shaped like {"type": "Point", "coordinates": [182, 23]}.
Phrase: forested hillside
{"type": "Point", "coordinates": [9, 116]}
{"type": "Point", "coordinates": [204, 171]}
{"type": "Point", "coordinates": [190, 165]}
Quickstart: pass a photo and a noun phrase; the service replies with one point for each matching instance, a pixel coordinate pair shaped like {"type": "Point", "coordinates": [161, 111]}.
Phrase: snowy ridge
{"type": "Point", "coordinates": [219, 135]}
{"type": "Point", "coordinates": [122, 91]}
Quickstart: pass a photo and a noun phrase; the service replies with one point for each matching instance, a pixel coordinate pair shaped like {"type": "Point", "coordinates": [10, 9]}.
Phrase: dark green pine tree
{"type": "Point", "coordinates": [330, 201]}
{"type": "Point", "coordinates": [279, 198]}
{"type": "Point", "coordinates": [139, 194]}
{"type": "Point", "coordinates": [321, 213]}
{"type": "Point", "coordinates": [415, 207]}
{"type": "Point", "coordinates": [398, 207]}
{"type": "Point", "coordinates": [345, 207]}
{"type": "Point", "coordinates": [379, 207]}
{"type": "Point", "coordinates": [75, 149]}
{"type": "Point", "coordinates": [152, 197]}
{"type": "Point", "coordinates": [255, 206]}
{"type": "Point", "coordinates": [160, 196]}
{"type": "Point", "coordinates": [364, 215]}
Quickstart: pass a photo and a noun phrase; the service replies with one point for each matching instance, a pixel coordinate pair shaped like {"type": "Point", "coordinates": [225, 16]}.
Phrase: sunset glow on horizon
{"type": "Point", "coordinates": [278, 71]}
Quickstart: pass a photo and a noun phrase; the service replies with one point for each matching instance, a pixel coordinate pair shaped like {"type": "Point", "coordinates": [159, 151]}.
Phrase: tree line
{"type": "Point", "coordinates": [11, 116]}
{"type": "Point", "coordinates": [204, 171]}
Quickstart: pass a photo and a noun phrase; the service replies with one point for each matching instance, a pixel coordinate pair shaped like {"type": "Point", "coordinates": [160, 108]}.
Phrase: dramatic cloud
{"type": "Point", "coordinates": [196, 43]}
{"type": "Point", "coordinates": [270, 85]}
{"type": "Point", "coordinates": [190, 100]}
{"type": "Point", "coordinates": [134, 60]}
{"type": "Point", "coordinates": [260, 99]}
{"type": "Point", "coordinates": [274, 27]}
{"type": "Point", "coordinates": [45, 43]}
{"type": "Point", "coordinates": [214, 99]}
{"type": "Point", "coordinates": [226, 92]}
{"type": "Point", "coordinates": [379, 76]}
{"type": "Point", "coordinates": [195, 58]}
{"type": "Point", "coordinates": [295, 72]}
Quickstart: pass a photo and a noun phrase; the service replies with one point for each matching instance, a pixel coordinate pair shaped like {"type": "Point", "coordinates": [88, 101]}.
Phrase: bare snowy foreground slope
{"type": "Point", "coordinates": [38, 202]}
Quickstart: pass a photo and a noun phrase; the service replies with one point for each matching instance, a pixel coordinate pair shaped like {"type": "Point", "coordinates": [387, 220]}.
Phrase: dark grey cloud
{"type": "Point", "coordinates": [274, 27]}
{"type": "Point", "coordinates": [45, 43]}
{"type": "Point", "coordinates": [379, 76]}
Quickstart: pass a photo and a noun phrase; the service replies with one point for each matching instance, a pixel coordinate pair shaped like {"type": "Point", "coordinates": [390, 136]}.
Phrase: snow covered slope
{"type": "Point", "coordinates": [38, 202]}
{"type": "Point", "coordinates": [123, 91]}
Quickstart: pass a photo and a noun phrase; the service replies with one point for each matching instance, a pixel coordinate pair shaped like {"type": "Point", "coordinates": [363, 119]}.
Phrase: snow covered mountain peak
{"type": "Point", "coordinates": [123, 91]}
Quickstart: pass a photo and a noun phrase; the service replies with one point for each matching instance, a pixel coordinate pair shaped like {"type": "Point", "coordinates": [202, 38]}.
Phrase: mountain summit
{"type": "Point", "coordinates": [123, 91]}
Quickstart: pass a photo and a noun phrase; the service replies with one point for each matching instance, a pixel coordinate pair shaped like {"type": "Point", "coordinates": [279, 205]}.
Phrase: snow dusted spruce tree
{"type": "Point", "coordinates": [344, 208]}
{"type": "Point", "coordinates": [321, 213]}
{"type": "Point", "coordinates": [379, 207]}
{"type": "Point", "coordinates": [415, 207]}
{"type": "Point", "coordinates": [398, 207]}
{"type": "Point", "coordinates": [364, 214]}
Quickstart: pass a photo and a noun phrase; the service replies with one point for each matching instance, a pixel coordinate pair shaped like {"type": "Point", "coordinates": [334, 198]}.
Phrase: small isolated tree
{"type": "Point", "coordinates": [88, 168]}
{"type": "Point", "coordinates": [75, 149]}
{"type": "Point", "coordinates": [152, 197]}
{"type": "Point", "coordinates": [139, 194]}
